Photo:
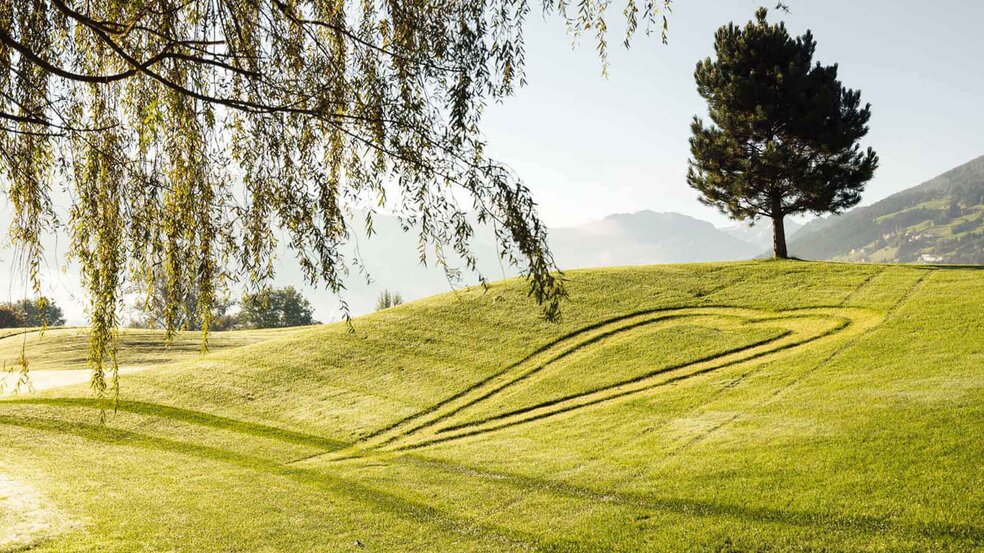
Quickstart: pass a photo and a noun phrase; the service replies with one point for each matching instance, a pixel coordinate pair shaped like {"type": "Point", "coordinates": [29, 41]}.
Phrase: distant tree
{"type": "Point", "coordinates": [275, 308]}
{"type": "Point", "coordinates": [31, 313]}
{"type": "Point", "coordinates": [388, 299]}
{"type": "Point", "coordinates": [222, 319]}
{"type": "Point", "coordinates": [954, 210]}
{"type": "Point", "coordinates": [43, 311]}
{"type": "Point", "coordinates": [785, 131]}
{"type": "Point", "coordinates": [9, 316]}
{"type": "Point", "coordinates": [187, 133]}
{"type": "Point", "coordinates": [151, 312]}
{"type": "Point", "coordinates": [175, 306]}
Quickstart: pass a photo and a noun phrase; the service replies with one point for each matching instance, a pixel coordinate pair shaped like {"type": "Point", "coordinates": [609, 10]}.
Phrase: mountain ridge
{"type": "Point", "coordinates": [938, 221]}
{"type": "Point", "coordinates": [760, 234]}
{"type": "Point", "coordinates": [644, 237]}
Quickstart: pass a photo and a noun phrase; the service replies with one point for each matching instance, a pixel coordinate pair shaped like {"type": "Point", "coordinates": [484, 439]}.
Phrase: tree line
{"type": "Point", "coordinates": [28, 313]}
{"type": "Point", "coordinates": [267, 308]}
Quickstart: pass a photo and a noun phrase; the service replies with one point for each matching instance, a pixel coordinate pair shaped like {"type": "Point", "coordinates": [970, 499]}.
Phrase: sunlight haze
{"type": "Point", "coordinates": [589, 146]}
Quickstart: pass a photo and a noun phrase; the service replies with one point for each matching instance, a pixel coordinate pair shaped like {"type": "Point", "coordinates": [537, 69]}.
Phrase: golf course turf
{"type": "Point", "coordinates": [725, 407]}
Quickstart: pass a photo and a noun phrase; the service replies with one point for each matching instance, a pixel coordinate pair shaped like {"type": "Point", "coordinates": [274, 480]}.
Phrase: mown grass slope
{"type": "Point", "coordinates": [759, 406]}
{"type": "Point", "coordinates": [67, 348]}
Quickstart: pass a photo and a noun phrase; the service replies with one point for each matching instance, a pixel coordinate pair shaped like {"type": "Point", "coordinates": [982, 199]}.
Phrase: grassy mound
{"type": "Point", "coordinates": [67, 348]}
{"type": "Point", "coordinates": [712, 407]}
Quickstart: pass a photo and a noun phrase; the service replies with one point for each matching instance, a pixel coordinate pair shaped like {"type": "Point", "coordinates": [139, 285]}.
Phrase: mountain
{"type": "Point", "coordinates": [939, 221]}
{"type": "Point", "coordinates": [760, 234]}
{"type": "Point", "coordinates": [390, 257]}
{"type": "Point", "coordinates": [645, 237]}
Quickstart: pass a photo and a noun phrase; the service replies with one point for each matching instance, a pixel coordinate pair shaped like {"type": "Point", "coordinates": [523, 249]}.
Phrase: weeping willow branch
{"type": "Point", "coordinates": [190, 133]}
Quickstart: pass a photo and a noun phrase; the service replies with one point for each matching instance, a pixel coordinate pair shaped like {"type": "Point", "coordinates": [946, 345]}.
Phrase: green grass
{"type": "Point", "coordinates": [943, 230]}
{"type": "Point", "coordinates": [66, 348]}
{"type": "Point", "coordinates": [760, 406]}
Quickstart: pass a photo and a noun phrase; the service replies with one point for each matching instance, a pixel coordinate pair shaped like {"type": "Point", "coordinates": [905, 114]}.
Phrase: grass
{"type": "Point", "coordinates": [66, 348]}
{"type": "Point", "coordinates": [944, 231]}
{"type": "Point", "coordinates": [759, 406]}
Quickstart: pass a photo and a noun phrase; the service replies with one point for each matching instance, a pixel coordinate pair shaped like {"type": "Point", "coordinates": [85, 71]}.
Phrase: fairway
{"type": "Point", "coordinates": [721, 407]}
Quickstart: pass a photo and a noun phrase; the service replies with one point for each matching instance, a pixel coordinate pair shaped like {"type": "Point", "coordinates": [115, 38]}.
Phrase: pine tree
{"type": "Point", "coordinates": [785, 131]}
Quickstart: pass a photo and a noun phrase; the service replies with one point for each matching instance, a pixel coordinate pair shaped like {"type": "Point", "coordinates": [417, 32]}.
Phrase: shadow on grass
{"type": "Point", "coordinates": [701, 508]}
{"type": "Point", "coordinates": [424, 513]}
{"type": "Point", "coordinates": [394, 504]}
{"type": "Point", "coordinates": [188, 416]}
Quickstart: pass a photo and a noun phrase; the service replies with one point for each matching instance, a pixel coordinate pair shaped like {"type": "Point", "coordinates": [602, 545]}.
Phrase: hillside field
{"type": "Point", "coordinates": [721, 407]}
{"type": "Point", "coordinates": [939, 221]}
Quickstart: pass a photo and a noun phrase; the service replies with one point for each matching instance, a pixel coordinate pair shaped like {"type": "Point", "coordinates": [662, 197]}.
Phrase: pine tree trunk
{"type": "Point", "coordinates": [778, 237]}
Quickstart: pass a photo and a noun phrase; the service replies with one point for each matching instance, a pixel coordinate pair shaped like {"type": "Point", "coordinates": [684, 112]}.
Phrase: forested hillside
{"type": "Point", "coordinates": [939, 221]}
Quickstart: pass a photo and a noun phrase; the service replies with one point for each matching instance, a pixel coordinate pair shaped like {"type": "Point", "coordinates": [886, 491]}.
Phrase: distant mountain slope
{"type": "Point", "coordinates": [645, 237]}
{"type": "Point", "coordinates": [391, 258]}
{"type": "Point", "coordinates": [760, 235]}
{"type": "Point", "coordinates": [939, 221]}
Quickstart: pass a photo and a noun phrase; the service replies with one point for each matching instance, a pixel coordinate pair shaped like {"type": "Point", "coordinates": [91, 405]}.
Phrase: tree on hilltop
{"type": "Point", "coordinates": [784, 133]}
{"type": "Point", "coordinates": [388, 299]}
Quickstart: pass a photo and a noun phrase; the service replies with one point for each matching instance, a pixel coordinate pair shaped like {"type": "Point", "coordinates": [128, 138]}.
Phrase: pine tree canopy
{"type": "Point", "coordinates": [189, 134]}
{"type": "Point", "coordinates": [784, 133]}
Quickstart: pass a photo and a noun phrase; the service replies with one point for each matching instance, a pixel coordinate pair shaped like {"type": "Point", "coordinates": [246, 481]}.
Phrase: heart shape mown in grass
{"type": "Point", "coordinates": [563, 376]}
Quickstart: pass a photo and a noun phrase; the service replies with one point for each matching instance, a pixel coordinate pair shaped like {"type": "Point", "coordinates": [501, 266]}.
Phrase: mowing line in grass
{"type": "Point", "coordinates": [575, 333]}
{"type": "Point", "coordinates": [620, 391]}
{"type": "Point", "coordinates": [648, 375]}
{"type": "Point", "coordinates": [504, 378]}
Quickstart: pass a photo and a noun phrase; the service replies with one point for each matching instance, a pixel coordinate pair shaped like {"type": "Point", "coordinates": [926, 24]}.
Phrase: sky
{"type": "Point", "coordinates": [589, 146]}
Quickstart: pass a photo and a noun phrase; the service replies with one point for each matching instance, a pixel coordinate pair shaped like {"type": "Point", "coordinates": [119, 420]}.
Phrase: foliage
{"type": "Point", "coordinates": [967, 225]}
{"type": "Point", "coordinates": [388, 299]}
{"type": "Point", "coordinates": [275, 308]}
{"type": "Point", "coordinates": [861, 442]}
{"type": "Point", "coordinates": [156, 308]}
{"type": "Point", "coordinates": [31, 313]}
{"type": "Point", "coordinates": [785, 132]}
{"type": "Point", "coordinates": [10, 317]}
{"type": "Point", "coordinates": [188, 134]}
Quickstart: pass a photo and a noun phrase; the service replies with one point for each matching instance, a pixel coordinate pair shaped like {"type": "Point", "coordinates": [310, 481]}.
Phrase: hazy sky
{"type": "Point", "coordinates": [588, 146]}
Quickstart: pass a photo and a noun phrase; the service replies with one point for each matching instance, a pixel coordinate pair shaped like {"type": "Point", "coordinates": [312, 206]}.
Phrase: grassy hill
{"type": "Point", "coordinates": [392, 259]}
{"type": "Point", "coordinates": [939, 221]}
{"type": "Point", "coordinates": [755, 406]}
{"type": "Point", "coordinates": [67, 348]}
